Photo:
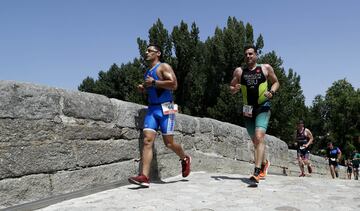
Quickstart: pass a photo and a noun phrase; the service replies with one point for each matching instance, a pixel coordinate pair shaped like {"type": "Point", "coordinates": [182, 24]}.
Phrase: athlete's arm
{"type": "Point", "coordinates": [167, 77]}
{"type": "Point", "coordinates": [235, 82]}
{"type": "Point", "coordinates": [141, 88]}
{"type": "Point", "coordinates": [310, 136]}
{"type": "Point", "coordinates": [295, 140]}
{"type": "Point", "coordinates": [273, 79]}
{"type": "Point", "coordinates": [339, 155]}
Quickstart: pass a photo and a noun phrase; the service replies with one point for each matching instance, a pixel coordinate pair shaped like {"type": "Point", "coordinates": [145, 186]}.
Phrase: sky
{"type": "Point", "coordinates": [59, 43]}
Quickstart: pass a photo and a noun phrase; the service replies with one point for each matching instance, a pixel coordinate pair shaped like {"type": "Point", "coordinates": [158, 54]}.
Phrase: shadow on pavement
{"type": "Point", "coordinates": [169, 182]}
{"type": "Point", "coordinates": [158, 182]}
{"type": "Point", "coordinates": [243, 179]}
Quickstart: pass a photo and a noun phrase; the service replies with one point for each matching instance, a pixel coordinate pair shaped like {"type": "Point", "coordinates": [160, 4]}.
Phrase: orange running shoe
{"type": "Point", "coordinates": [264, 169]}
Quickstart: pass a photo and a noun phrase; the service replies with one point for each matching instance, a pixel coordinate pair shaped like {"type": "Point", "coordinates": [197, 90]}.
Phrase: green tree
{"type": "Point", "coordinates": [87, 85]}
{"type": "Point", "coordinates": [343, 107]}
{"type": "Point", "coordinates": [228, 107]}
{"type": "Point", "coordinates": [288, 104]}
{"type": "Point", "coordinates": [204, 70]}
{"type": "Point", "coordinates": [316, 122]}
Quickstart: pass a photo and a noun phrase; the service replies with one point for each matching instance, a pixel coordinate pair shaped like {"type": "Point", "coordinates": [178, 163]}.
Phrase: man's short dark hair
{"type": "Point", "coordinates": [158, 48]}
{"type": "Point", "coordinates": [301, 121]}
{"type": "Point", "coordinates": [250, 46]}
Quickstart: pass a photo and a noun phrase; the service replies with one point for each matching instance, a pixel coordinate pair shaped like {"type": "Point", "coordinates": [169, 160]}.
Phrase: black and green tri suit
{"type": "Point", "coordinates": [253, 87]}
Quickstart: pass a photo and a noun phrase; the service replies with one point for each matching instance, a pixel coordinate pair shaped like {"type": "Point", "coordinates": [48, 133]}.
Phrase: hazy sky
{"type": "Point", "coordinates": [59, 43]}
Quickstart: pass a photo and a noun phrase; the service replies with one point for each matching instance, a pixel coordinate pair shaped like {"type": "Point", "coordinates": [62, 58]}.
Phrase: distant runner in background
{"type": "Point", "coordinates": [349, 168]}
{"type": "Point", "coordinates": [334, 156]}
{"type": "Point", "coordinates": [355, 163]}
{"type": "Point", "coordinates": [303, 139]}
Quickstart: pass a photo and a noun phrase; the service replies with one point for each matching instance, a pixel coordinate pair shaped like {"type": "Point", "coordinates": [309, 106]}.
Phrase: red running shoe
{"type": "Point", "coordinates": [141, 180]}
{"type": "Point", "coordinates": [185, 164]}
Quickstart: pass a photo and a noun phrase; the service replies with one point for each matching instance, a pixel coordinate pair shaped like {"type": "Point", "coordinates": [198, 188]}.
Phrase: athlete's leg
{"type": "Point", "coordinates": [259, 144]}
{"type": "Point", "coordinates": [336, 169]}
{"type": "Point", "coordinates": [349, 174]}
{"type": "Point", "coordinates": [151, 124]}
{"type": "Point", "coordinates": [354, 172]}
{"type": "Point", "coordinates": [261, 124]}
{"type": "Point", "coordinates": [332, 171]}
{"type": "Point", "coordinates": [167, 126]}
{"type": "Point", "coordinates": [307, 162]}
{"type": "Point", "coordinates": [147, 152]}
{"type": "Point", "coordinates": [250, 128]}
{"type": "Point", "coordinates": [175, 147]}
{"type": "Point", "coordinates": [301, 163]}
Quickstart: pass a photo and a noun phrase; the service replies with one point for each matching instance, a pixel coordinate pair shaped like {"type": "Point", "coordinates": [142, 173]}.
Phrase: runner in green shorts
{"type": "Point", "coordinates": [256, 92]}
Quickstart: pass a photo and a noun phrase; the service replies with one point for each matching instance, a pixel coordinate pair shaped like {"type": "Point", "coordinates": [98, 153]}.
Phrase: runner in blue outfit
{"type": "Point", "coordinates": [159, 83]}
{"type": "Point", "coordinates": [334, 156]}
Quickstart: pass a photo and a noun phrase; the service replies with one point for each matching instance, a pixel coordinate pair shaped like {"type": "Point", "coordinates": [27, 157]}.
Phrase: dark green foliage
{"type": "Point", "coordinates": [117, 82]}
{"type": "Point", "coordinates": [204, 70]}
{"type": "Point", "coordinates": [88, 85]}
{"type": "Point", "coordinates": [228, 107]}
{"type": "Point", "coordinates": [288, 104]}
{"type": "Point", "coordinates": [336, 117]}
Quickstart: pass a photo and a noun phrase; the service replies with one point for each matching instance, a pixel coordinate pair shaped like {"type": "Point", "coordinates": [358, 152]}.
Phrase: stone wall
{"type": "Point", "coordinates": [54, 141]}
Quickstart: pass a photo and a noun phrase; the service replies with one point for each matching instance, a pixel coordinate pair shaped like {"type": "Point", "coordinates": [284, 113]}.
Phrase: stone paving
{"type": "Point", "coordinates": [216, 191]}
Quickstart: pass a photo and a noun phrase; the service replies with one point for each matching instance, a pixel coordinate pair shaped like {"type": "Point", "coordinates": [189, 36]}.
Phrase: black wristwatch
{"type": "Point", "coordinates": [153, 83]}
{"type": "Point", "coordinates": [272, 92]}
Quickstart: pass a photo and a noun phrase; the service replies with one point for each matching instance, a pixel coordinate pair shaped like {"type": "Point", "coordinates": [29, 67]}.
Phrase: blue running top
{"type": "Point", "coordinates": [157, 96]}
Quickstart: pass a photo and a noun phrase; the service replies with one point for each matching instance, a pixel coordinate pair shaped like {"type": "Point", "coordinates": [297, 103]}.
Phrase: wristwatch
{"type": "Point", "coordinates": [272, 92]}
{"type": "Point", "coordinates": [153, 83]}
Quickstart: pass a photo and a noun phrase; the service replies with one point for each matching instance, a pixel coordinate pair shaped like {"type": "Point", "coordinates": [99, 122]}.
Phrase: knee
{"type": "Point", "coordinates": [148, 142]}
{"type": "Point", "coordinates": [258, 139]}
{"type": "Point", "coordinates": [169, 145]}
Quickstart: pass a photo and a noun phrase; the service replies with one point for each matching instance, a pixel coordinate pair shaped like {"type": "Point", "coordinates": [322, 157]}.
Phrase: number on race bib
{"type": "Point", "coordinates": [247, 110]}
{"type": "Point", "coordinates": [169, 108]}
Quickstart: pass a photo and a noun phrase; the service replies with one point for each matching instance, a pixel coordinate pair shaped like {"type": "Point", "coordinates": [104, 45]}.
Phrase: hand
{"type": "Point", "coordinates": [148, 81]}
{"type": "Point", "coordinates": [268, 95]}
{"type": "Point", "coordinates": [235, 89]}
{"type": "Point", "coordinates": [140, 88]}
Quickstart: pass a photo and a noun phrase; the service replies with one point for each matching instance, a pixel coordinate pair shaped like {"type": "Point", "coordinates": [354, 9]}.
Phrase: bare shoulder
{"type": "Point", "coordinates": [268, 67]}
{"type": "Point", "coordinates": [307, 131]}
{"type": "Point", "coordinates": [237, 72]}
{"type": "Point", "coordinates": [165, 66]}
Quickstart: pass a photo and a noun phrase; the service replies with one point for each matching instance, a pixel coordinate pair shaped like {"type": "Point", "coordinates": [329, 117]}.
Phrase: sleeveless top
{"type": "Point", "coordinates": [156, 96]}
{"type": "Point", "coordinates": [301, 137]}
{"type": "Point", "coordinates": [253, 86]}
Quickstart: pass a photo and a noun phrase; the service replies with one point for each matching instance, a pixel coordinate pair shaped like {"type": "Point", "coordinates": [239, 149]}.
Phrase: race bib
{"type": "Point", "coordinates": [169, 108]}
{"type": "Point", "coordinates": [333, 159]}
{"type": "Point", "coordinates": [247, 110]}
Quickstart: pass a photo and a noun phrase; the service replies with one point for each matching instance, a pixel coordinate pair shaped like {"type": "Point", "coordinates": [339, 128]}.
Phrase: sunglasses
{"type": "Point", "coordinates": [150, 50]}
